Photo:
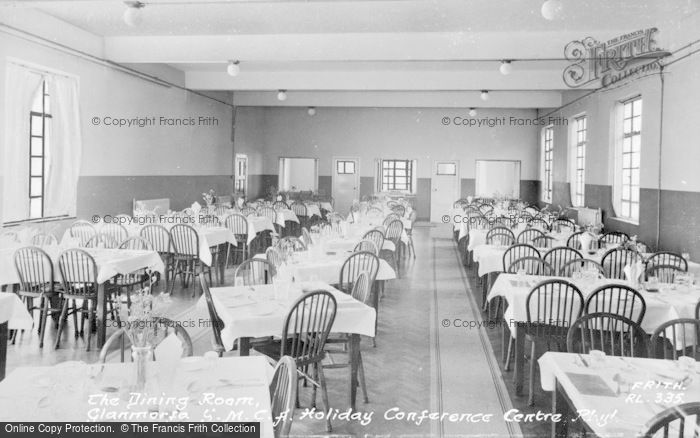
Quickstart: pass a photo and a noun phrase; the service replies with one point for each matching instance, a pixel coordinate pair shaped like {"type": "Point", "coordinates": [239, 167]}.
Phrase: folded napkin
{"type": "Point", "coordinates": [239, 202]}
{"type": "Point", "coordinates": [633, 271]}
{"type": "Point", "coordinates": [586, 240]}
{"type": "Point", "coordinates": [169, 350]}
{"type": "Point", "coordinates": [196, 207]}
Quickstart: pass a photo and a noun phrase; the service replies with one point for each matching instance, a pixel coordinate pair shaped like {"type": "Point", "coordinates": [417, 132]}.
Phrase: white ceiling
{"type": "Point", "coordinates": [334, 46]}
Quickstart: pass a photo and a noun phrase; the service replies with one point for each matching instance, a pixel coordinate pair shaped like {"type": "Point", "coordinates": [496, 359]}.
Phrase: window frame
{"type": "Point", "coordinates": [579, 143]}
{"type": "Point", "coordinates": [386, 164]}
{"type": "Point", "coordinates": [547, 163]}
{"type": "Point", "coordinates": [42, 156]}
{"type": "Point", "coordinates": [344, 164]}
{"type": "Point", "coordinates": [628, 209]}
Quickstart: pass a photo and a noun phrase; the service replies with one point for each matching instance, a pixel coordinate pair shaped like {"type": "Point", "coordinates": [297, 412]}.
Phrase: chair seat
{"type": "Point", "coordinates": [46, 291]}
{"type": "Point", "coordinates": [123, 280]}
{"type": "Point", "coordinates": [273, 348]}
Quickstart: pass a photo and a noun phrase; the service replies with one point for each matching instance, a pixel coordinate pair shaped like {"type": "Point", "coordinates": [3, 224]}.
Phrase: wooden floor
{"type": "Point", "coordinates": [419, 364]}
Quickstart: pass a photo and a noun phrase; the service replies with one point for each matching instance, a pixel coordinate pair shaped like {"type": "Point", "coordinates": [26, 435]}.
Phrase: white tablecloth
{"type": "Point", "coordinates": [660, 306]}
{"type": "Point", "coordinates": [14, 312]}
{"type": "Point", "coordinates": [489, 258]}
{"type": "Point", "coordinates": [110, 262]}
{"type": "Point", "coordinates": [258, 224]}
{"type": "Point", "coordinates": [624, 414]}
{"type": "Point", "coordinates": [257, 313]}
{"type": "Point", "coordinates": [67, 393]}
{"type": "Point", "coordinates": [313, 210]}
{"type": "Point", "coordinates": [327, 268]}
{"type": "Point", "coordinates": [284, 215]}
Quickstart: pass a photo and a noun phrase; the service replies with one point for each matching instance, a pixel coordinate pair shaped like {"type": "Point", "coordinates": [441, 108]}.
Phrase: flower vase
{"type": "Point", "coordinates": [141, 357]}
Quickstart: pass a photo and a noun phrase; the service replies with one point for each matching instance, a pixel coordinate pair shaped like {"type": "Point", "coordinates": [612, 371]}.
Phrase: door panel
{"type": "Point", "coordinates": [445, 186]}
{"type": "Point", "coordinates": [346, 183]}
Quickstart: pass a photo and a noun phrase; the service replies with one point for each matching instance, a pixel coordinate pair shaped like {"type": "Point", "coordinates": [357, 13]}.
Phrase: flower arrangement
{"type": "Point", "coordinates": [209, 197]}
{"type": "Point", "coordinates": [142, 317]}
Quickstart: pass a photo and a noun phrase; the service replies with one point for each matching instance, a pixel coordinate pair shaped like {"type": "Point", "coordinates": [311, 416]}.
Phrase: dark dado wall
{"type": "Point", "coordinates": [677, 212]}
{"type": "Point", "coordinates": [101, 195]}
{"type": "Point", "coordinates": [528, 189]}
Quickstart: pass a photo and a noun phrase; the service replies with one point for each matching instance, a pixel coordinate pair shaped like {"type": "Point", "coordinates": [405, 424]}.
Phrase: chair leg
{"type": "Point", "coordinates": [531, 383]}
{"type": "Point", "coordinates": [91, 320]}
{"type": "Point", "coordinates": [324, 395]}
{"type": "Point", "coordinates": [61, 322]}
{"type": "Point", "coordinates": [363, 385]}
{"type": "Point", "coordinates": [75, 319]}
{"type": "Point", "coordinates": [509, 353]}
{"type": "Point", "coordinates": [42, 320]}
{"type": "Point", "coordinates": [313, 389]}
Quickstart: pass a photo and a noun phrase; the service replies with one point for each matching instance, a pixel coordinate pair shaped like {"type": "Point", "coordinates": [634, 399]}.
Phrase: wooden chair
{"type": "Point", "coordinates": [356, 264]}
{"type": "Point", "coordinates": [399, 209]}
{"type": "Point", "coordinates": [544, 242]}
{"type": "Point", "coordinates": [253, 272]}
{"type": "Point", "coordinates": [665, 265]}
{"type": "Point", "coordinates": [299, 209]}
{"type": "Point", "coordinates": [290, 244]}
{"type": "Point", "coordinates": [280, 205]}
{"type": "Point", "coordinates": [518, 251]}
{"type": "Point", "coordinates": [114, 230]}
{"type": "Point", "coordinates": [283, 395]}
{"type": "Point", "coordinates": [551, 300]}
{"type": "Point", "coordinates": [539, 223]}
{"type": "Point", "coordinates": [580, 265]}
{"type": "Point", "coordinates": [611, 333]}
{"type": "Point", "coordinates": [304, 333]}
{"type": "Point", "coordinates": [376, 237]}
{"type": "Point", "coordinates": [79, 283]}
{"type": "Point", "coordinates": [664, 273]}
{"type": "Point", "coordinates": [185, 241]}
{"type": "Point", "coordinates": [366, 245]}
{"type": "Point", "coordinates": [36, 282]}
{"type": "Point", "coordinates": [127, 282]}
{"type": "Point", "coordinates": [617, 299]}
{"type": "Point", "coordinates": [528, 235]}
{"type": "Point", "coordinates": [562, 225]}
{"type": "Point", "coordinates": [675, 421]}
{"type": "Point", "coordinates": [614, 237]}
{"type": "Point", "coordinates": [500, 235]}
{"type": "Point", "coordinates": [44, 239]}
{"type": "Point", "coordinates": [238, 225]}
{"type": "Point", "coordinates": [162, 328]}
{"type": "Point", "coordinates": [531, 266]}
{"type": "Point", "coordinates": [100, 240]}
{"type": "Point", "coordinates": [159, 239]}
{"type": "Point", "coordinates": [248, 211]}
{"type": "Point", "coordinates": [615, 260]}
{"type": "Point", "coordinates": [678, 337]}
{"type": "Point", "coordinates": [275, 258]}
{"type": "Point", "coordinates": [393, 233]}
{"type": "Point", "coordinates": [217, 324]}
{"type": "Point", "coordinates": [271, 214]}
{"type": "Point", "coordinates": [558, 257]}
{"type": "Point", "coordinates": [82, 231]}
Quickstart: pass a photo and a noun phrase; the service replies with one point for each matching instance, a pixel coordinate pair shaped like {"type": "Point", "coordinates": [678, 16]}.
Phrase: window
{"type": "Point", "coordinates": [547, 159]}
{"type": "Point", "coordinates": [397, 175]}
{"type": "Point", "coordinates": [629, 158]}
{"type": "Point", "coordinates": [345, 167]}
{"type": "Point", "coordinates": [578, 165]}
{"type": "Point", "coordinates": [446, 169]}
{"type": "Point", "coordinates": [38, 144]}
{"type": "Point", "coordinates": [241, 181]}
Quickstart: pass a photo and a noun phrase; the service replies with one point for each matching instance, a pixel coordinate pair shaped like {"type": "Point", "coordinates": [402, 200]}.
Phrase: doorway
{"type": "Point", "coordinates": [445, 186]}
{"type": "Point", "coordinates": [345, 182]}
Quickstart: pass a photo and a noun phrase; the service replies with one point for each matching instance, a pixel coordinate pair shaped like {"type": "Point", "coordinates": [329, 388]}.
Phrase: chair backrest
{"type": "Point", "coordinates": [306, 327]}
{"type": "Point", "coordinates": [552, 306]}
{"type": "Point", "coordinates": [210, 220]}
{"type": "Point", "coordinates": [102, 241]}
{"type": "Point", "coordinates": [664, 273]}
{"type": "Point", "coordinates": [559, 256]}
{"type": "Point", "coordinates": [678, 337]}
{"type": "Point", "coordinates": [574, 241]}
{"type": "Point", "coordinates": [539, 223]}
{"type": "Point", "coordinates": [82, 231]}
{"type": "Point", "coordinates": [374, 211]}
{"type": "Point", "coordinates": [531, 266]}
{"type": "Point", "coordinates": [238, 224]}
{"type": "Point", "coordinates": [44, 239]}
{"type": "Point", "coordinates": [528, 235]}
{"type": "Point", "coordinates": [617, 299]}
{"type": "Point", "coordinates": [138, 243]}
{"type": "Point", "coordinates": [247, 211]}
{"type": "Point", "coordinates": [376, 237]}
{"type": "Point", "coordinates": [615, 260]}
{"type": "Point", "coordinates": [217, 324]}
{"type": "Point", "coordinates": [394, 230]}
{"type": "Point", "coordinates": [185, 240]}
{"type": "Point", "coordinates": [299, 209]}
{"type": "Point", "coordinates": [292, 243]}
{"type": "Point", "coordinates": [366, 245]}
{"type": "Point", "coordinates": [517, 251]}
{"type": "Point", "coordinates": [268, 212]}
{"type": "Point", "coordinates": [221, 209]}
{"type": "Point", "coordinates": [668, 258]}
{"type": "Point", "coordinates": [502, 221]}
{"type": "Point", "coordinates": [399, 210]}
{"type": "Point", "coordinates": [253, 272]}
{"type": "Point", "coordinates": [544, 242]}
{"type": "Point", "coordinates": [500, 236]}
{"type": "Point", "coordinates": [356, 264]}
{"type": "Point", "coordinates": [611, 333]}
{"type": "Point", "coordinates": [675, 421]}
{"type": "Point", "coordinates": [563, 225]}
{"type": "Point", "coordinates": [34, 270]}
{"type": "Point", "coordinates": [614, 237]}
{"type": "Point", "coordinates": [161, 327]}
{"type": "Point", "coordinates": [389, 218]}
{"type": "Point", "coordinates": [78, 272]}
{"type": "Point", "coordinates": [158, 236]}
{"type": "Point", "coordinates": [283, 395]}
{"type": "Point", "coordinates": [580, 265]}
{"type": "Point", "coordinates": [485, 208]}
{"type": "Point", "coordinates": [361, 290]}
{"type": "Point", "coordinates": [280, 205]}
{"type": "Point", "coordinates": [275, 258]}
{"type": "Point", "coordinates": [115, 231]}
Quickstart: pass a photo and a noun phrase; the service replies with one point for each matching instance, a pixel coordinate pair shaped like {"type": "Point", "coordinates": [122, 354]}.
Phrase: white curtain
{"type": "Point", "coordinates": [65, 147]}
{"type": "Point", "coordinates": [21, 85]}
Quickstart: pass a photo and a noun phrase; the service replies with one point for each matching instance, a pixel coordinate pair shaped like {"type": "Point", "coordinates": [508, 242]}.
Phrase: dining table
{"type": "Point", "coordinates": [13, 316]}
{"type": "Point", "coordinates": [259, 311]}
{"type": "Point", "coordinates": [192, 389]}
{"type": "Point", "coordinates": [612, 396]}
{"type": "Point", "coordinates": [667, 303]}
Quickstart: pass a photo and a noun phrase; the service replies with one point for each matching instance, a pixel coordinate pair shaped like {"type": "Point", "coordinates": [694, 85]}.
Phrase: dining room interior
{"type": "Point", "coordinates": [286, 218]}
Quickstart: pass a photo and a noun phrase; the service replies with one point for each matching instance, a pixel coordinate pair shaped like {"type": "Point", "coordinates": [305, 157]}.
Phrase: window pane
{"type": "Point", "coordinates": [635, 160]}
{"type": "Point", "coordinates": [626, 144]}
{"type": "Point", "coordinates": [635, 194]}
{"type": "Point", "coordinates": [626, 160]}
{"type": "Point", "coordinates": [637, 107]}
{"type": "Point", "coordinates": [36, 143]}
{"type": "Point", "coordinates": [626, 192]}
{"type": "Point", "coordinates": [625, 209]}
{"type": "Point", "coordinates": [635, 177]}
{"type": "Point", "coordinates": [35, 188]}
{"type": "Point", "coordinates": [35, 208]}
{"type": "Point", "coordinates": [637, 143]}
{"type": "Point", "coordinates": [627, 110]}
{"type": "Point", "coordinates": [349, 167]}
{"type": "Point", "coordinates": [47, 104]}
{"type": "Point", "coordinates": [36, 166]}
{"type": "Point", "coordinates": [37, 128]}
{"type": "Point", "coordinates": [627, 126]}
{"type": "Point", "coordinates": [637, 124]}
